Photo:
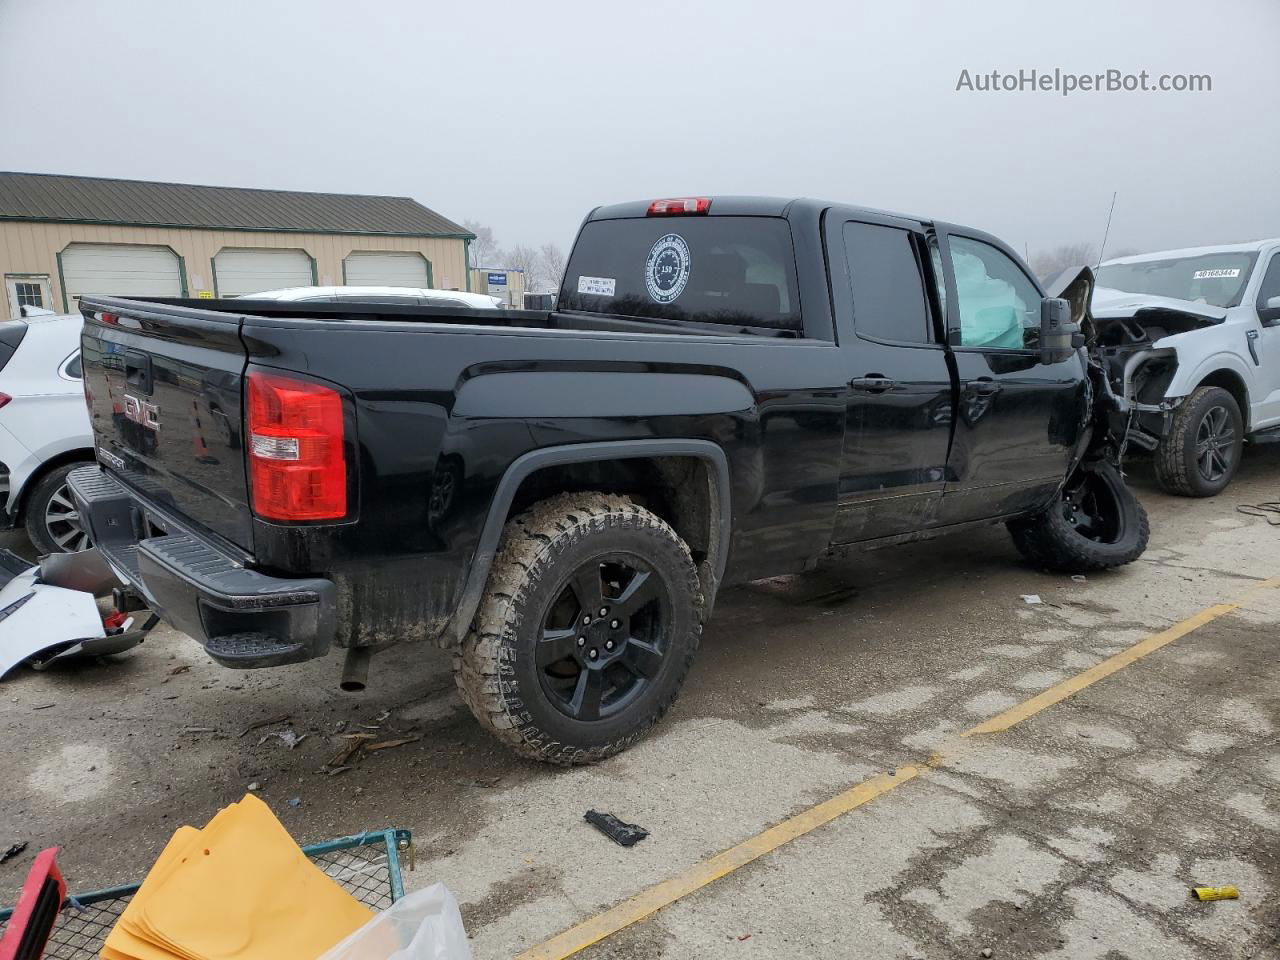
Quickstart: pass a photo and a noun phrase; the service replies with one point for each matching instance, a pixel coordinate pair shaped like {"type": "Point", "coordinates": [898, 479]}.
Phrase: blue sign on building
{"type": "Point", "coordinates": [497, 280]}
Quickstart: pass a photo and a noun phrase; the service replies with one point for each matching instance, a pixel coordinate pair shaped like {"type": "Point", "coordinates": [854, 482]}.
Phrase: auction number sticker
{"type": "Point", "coordinates": [1220, 272]}
{"type": "Point", "coordinates": [597, 286]}
{"type": "Point", "coordinates": [666, 271]}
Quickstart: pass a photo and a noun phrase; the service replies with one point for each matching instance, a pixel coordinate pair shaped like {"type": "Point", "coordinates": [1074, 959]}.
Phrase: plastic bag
{"type": "Point", "coordinates": [423, 925]}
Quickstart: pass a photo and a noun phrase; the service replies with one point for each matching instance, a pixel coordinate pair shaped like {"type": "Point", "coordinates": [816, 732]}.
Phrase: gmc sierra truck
{"type": "Point", "coordinates": [729, 389]}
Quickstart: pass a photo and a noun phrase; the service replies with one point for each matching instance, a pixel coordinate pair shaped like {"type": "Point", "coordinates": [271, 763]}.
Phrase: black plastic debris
{"type": "Point", "coordinates": [13, 851]}
{"type": "Point", "coordinates": [625, 834]}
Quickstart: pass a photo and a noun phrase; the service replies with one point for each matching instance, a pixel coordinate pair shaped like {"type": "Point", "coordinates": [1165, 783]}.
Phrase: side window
{"type": "Point", "coordinates": [73, 368]}
{"type": "Point", "coordinates": [1270, 282]}
{"type": "Point", "coordinates": [998, 304]}
{"type": "Point", "coordinates": [888, 291]}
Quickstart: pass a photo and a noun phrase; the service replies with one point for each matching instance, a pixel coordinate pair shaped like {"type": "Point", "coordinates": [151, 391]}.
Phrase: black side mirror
{"type": "Point", "coordinates": [1269, 311]}
{"type": "Point", "coordinates": [1057, 331]}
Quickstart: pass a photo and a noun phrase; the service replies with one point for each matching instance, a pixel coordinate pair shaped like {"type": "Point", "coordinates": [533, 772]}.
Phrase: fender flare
{"type": "Point", "coordinates": [1188, 378]}
{"type": "Point", "coordinates": [534, 460]}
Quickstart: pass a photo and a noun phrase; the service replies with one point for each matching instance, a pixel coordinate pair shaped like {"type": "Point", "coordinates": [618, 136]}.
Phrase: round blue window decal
{"type": "Point", "coordinates": [666, 271]}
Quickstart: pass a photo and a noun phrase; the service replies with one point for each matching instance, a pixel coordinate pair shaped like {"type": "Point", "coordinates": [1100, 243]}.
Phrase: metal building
{"type": "Point", "coordinates": [62, 237]}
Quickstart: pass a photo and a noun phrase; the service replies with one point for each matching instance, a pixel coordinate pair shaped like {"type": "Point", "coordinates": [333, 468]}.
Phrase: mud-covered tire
{"type": "Point", "coordinates": [1178, 458]}
{"type": "Point", "coordinates": [533, 579]}
{"type": "Point", "coordinates": [1058, 540]}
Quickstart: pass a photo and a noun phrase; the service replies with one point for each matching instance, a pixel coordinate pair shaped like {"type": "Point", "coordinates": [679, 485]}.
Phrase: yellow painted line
{"type": "Point", "coordinates": [1073, 685]}
{"type": "Point", "coordinates": [663, 894]}
{"type": "Point", "coordinates": [708, 871]}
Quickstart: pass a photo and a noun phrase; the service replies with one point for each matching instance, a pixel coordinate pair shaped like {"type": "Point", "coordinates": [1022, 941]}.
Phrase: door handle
{"type": "Point", "coordinates": [983, 388]}
{"type": "Point", "coordinates": [137, 371]}
{"type": "Point", "coordinates": [873, 384]}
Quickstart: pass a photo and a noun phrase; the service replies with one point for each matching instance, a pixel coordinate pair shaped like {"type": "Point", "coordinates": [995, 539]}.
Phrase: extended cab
{"type": "Point", "coordinates": [1192, 340]}
{"type": "Point", "coordinates": [730, 388]}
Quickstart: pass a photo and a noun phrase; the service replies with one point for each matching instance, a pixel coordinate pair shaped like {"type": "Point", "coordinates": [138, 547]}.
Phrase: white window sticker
{"type": "Point", "coordinates": [666, 271]}
{"type": "Point", "coordinates": [1219, 273]}
{"type": "Point", "coordinates": [598, 286]}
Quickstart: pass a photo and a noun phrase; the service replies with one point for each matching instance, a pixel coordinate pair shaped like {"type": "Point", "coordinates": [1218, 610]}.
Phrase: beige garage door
{"type": "Point", "coordinates": [119, 269]}
{"type": "Point", "coordinates": [241, 270]}
{"type": "Point", "coordinates": [372, 268]}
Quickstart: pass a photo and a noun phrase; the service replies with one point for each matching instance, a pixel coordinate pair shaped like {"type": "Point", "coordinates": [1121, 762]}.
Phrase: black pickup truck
{"type": "Point", "coordinates": [729, 388]}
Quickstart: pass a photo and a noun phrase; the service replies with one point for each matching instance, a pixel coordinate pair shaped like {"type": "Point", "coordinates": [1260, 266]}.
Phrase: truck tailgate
{"type": "Point", "coordinates": [164, 388]}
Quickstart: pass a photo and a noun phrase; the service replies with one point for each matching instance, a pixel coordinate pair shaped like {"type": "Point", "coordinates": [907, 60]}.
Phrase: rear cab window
{"type": "Point", "coordinates": [737, 271]}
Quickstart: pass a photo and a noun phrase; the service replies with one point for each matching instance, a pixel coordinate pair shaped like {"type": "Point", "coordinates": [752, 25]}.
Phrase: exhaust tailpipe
{"type": "Point", "coordinates": [355, 672]}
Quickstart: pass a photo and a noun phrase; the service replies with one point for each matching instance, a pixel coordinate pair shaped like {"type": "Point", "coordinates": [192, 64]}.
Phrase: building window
{"type": "Point", "coordinates": [28, 294]}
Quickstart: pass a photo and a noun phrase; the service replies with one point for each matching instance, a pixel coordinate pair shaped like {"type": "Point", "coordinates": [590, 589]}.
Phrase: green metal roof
{"type": "Point", "coordinates": [55, 198]}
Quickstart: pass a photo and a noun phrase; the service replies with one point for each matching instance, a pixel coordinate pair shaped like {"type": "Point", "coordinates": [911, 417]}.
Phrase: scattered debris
{"type": "Point", "coordinates": [13, 851]}
{"type": "Point", "coordinates": [1216, 893]}
{"type": "Point", "coordinates": [43, 706]}
{"type": "Point", "coordinates": [1079, 578]}
{"type": "Point", "coordinates": [745, 936]}
{"type": "Point", "coordinates": [199, 730]}
{"type": "Point", "coordinates": [334, 771]}
{"type": "Point", "coordinates": [1031, 598]}
{"type": "Point", "coordinates": [182, 669]}
{"type": "Point", "coordinates": [288, 736]}
{"type": "Point", "coordinates": [255, 787]}
{"type": "Point", "coordinates": [624, 834]}
{"type": "Point", "coordinates": [1269, 510]}
{"type": "Point", "coordinates": [987, 953]}
{"type": "Point", "coordinates": [487, 783]}
{"type": "Point", "coordinates": [388, 744]}
{"type": "Point", "coordinates": [263, 723]}
{"type": "Point", "coordinates": [295, 801]}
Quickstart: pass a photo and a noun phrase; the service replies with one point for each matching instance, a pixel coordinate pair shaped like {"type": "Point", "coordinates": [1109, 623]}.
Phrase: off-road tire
{"type": "Point", "coordinates": [1176, 466]}
{"type": "Point", "coordinates": [1050, 542]}
{"type": "Point", "coordinates": [543, 547]}
{"type": "Point", "coordinates": [36, 506]}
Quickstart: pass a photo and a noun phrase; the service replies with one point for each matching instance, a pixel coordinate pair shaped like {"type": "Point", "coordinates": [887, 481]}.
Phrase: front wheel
{"type": "Point", "coordinates": [591, 619]}
{"type": "Point", "coordinates": [1094, 523]}
{"type": "Point", "coordinates": [1201, 452]}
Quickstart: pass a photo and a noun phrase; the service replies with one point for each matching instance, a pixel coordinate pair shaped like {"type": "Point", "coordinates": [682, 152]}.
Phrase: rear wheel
{"type": "Point", "coordinates": [589, 625]}
{"type": "Point", "coordinates": [52, 518]}
{"type": "Point", "coordinates": [1095, 523]}
{"type": "Point", "coordinates": [1201, 452]}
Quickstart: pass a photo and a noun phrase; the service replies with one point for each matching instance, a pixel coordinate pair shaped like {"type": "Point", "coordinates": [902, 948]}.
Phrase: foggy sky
{"type": "Point", "coordinates": [525, 115]}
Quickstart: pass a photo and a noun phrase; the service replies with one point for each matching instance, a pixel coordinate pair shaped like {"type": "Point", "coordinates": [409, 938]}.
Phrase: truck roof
{"type": "Point", "coordinates": [735, 206]}
{"type": "Point", "coordinates": [1249, 246]}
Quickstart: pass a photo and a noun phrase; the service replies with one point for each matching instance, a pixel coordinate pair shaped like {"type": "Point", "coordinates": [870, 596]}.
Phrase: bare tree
{"type": "Point", "coordinates": [484, 248]}
{"type": "Point", "coordinates": [1047, 263]}
{"type": "Point", "coordinates": [527, 259]}
{"type": "Point", "coordinates": [551, 262]}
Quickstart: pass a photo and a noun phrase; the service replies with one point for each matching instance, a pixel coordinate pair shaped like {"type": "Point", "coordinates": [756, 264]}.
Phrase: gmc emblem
{"type": "Point", "coordinates": [143, 412]}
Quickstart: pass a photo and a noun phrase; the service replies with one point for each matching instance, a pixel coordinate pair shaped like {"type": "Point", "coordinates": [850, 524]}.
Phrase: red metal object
{"type": "Point", "coordinates": [33, 918]}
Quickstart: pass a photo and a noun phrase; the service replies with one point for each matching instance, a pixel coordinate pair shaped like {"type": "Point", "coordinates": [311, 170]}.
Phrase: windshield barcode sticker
{"type": "Point", "coordinates": [597, 286]}
{"type": "Point", "coordinates": [1220, 272]}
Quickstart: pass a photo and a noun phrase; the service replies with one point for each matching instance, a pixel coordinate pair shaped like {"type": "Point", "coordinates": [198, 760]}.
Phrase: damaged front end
{"type": "Point", "coordinates": [1128, 370]}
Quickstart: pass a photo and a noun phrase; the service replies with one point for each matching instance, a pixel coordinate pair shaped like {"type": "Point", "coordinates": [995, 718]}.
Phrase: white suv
{"type": "Point", "coordinates": [44, 428]}
{"type": "Point", "coordinates": [1197, 334]}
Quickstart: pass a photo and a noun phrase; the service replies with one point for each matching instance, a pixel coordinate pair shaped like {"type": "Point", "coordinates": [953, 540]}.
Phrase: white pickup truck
{"type": "Point", "coordinates": [1193, 340]}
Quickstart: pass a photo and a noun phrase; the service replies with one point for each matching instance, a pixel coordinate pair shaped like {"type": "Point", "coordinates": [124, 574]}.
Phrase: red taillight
{"type": "Point", "coordinates": [4, 398]}
{"type": "Point", "coordinates": [297, 467]}
{"type": "Point", "coordinates": [678, 206]}
{"type": "Point", "coordinates": [110, 318]}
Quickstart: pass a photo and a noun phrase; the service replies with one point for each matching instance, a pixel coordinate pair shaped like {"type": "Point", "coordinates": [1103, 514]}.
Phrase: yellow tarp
{"type": "Point", "coordinates": [240, 889]}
